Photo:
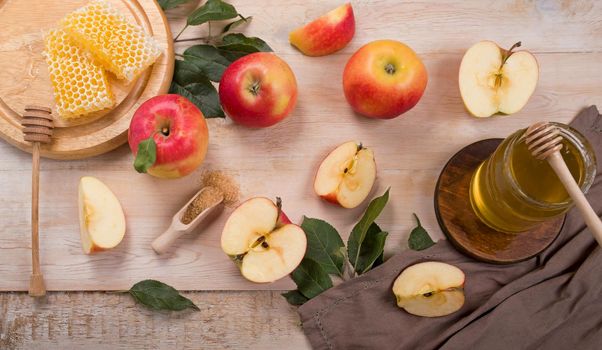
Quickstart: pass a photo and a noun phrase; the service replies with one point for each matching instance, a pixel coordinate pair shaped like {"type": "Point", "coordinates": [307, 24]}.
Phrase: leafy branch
{"type": "Point", "coordinates": [199, 66]}
{"type": "Point", "coordinates": [326, 254]}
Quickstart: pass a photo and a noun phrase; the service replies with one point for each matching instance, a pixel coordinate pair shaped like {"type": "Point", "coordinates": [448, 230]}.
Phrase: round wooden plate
{"type": "Point", "coordinates": [24, 76]}
{"type": "Point", "coordinates": [465, 230]}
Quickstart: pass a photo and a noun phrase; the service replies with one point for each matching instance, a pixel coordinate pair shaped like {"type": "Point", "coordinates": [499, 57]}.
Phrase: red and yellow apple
{"type": "Point", "coordinates": [430, 289]}
{"type": "Point", "coordinates": [346, 175]}
{"type": "Point", "coordinates": [258, 90]}
{"type": "Point", "coordinates": [326, 34]}
{"type": "Point", "coordinates": [101, 218]}
{"type": "Point", "coordinates": [262, 242]}
{"type": "Point", "coordinates": [384, 79]}
{"type": "Point", "coordinates": [493, 80]}
{"type": "Point", "coordinates": [179, 130]}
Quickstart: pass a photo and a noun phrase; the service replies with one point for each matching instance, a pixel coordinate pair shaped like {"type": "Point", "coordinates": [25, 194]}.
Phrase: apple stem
{"type": "Point", "coordinates": [509, 52]}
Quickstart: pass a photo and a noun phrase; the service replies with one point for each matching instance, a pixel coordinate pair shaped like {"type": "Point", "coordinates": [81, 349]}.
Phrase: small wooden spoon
{"type": "Point", "coordinates": [544, 141]}
{"type": "Point", "coordinates": [37, 128]}
{"type": "Point", "coordinates": [177, 228]}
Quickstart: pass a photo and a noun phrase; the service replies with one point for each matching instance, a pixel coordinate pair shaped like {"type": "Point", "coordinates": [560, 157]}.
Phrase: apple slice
{"type": "Point", "coordinates": [326, 34]}
{"type": "Point", "coordinates": [101, 218]}
{"type": "Point", "coordinates": [261, 240]}
{"type": "Point", "coordinates": [346, 175]}
{"type": "Point", "coordinates": [493, 80]}
{"type": "Point", "coordinates": [430, 289]}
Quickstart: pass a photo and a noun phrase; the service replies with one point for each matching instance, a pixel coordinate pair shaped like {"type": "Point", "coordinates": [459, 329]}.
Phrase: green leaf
{"type": "Point", "coordinates": [380, 260]}
{"type": "Point", "coordinates": [371, 249]}
{"type": "Point", "coordinates": [236, 23]}
{"type": "Point", "coordinates": [169, 4]}
{"type": "Point", "coordinates": [324, 245]}
{"type": "Point", "coordinates": [190, 82]}
{"type": "Point", "coordinates": [212, 10]}
{"type": "Point", "coordinates": [208, 60]}
{"type": "Point", "coordinates": [358, 234]}
{"type": "Point", "coordinates": [146, 155]}
{"type": "Point", "coordinates": [160, 296]}
{"type": "Point", "coordinates": [294, 297]}
{"type": "Point", "coordinates": [311, 279]}
{"type": "Point", "coordinates": [237, 45]}
{"type": "Point", "coordinates": [419, 238]}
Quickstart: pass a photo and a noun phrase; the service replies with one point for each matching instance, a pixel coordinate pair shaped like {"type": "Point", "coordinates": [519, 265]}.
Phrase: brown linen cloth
{"type": "Point", "coordinates": [552, 301]}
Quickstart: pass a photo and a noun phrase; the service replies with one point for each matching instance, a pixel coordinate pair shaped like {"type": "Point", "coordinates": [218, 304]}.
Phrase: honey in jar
{"type": "Point", "coordinates": [512, 191]}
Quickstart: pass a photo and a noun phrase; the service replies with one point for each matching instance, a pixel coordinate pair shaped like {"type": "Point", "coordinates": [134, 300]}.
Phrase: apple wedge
{"type": "Point", "coordinates": [346, 175]}
{"type": "Point", "coordinates": [101, 218]}
{"type": "Point", "coordinates": [326, 34]}
{"type": "Point", "coordinates": [430, 289]}
{"type": "Point", "coordinates": [493, 80]}
{"type": "Point", "coordinates": [260, 239]}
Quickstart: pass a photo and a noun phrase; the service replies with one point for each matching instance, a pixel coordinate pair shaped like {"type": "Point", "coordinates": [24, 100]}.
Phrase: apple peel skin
{"type": "Point", "coordinates": [430, 289]}
{"type": "Point", "coordinates": [258, 90]}
{"type": "Point", "coordinates": [347, 175]}
{"type": "Point", "coordinates": [490, 87]}
{"type": "Point", "coordinates": [184, 147]}
{"type": "Point", "coordinates": [262, 242]}
{"type": "Point", "coordinates": [327, 34]}
{"type": "Point", "coordinates": [384, 79]}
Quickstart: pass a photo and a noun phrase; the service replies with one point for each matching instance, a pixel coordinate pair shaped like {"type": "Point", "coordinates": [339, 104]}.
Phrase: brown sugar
{"type": "Point", "coordinates": [224, 183]}
{"type": "Point", "coordinates": [207, 198]}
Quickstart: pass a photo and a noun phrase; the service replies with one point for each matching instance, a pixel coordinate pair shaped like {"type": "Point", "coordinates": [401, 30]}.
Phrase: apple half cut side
{"type": "Point", "coordinates": [260, 239]}
{"type": "Point", "coordinates": [430, 289]}
{"type": "Point", "coordinates": [346, 175]}
{"type": "Point", "coordinates": [493, 80]}
{"type": "Point", "coordinates": [326, 34]}
{"type": "Point", "coordinates": [101, 218]}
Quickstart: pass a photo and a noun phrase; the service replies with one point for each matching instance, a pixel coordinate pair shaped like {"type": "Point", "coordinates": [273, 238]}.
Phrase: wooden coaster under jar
{"type": "Point", "coordinates": [466, 231]}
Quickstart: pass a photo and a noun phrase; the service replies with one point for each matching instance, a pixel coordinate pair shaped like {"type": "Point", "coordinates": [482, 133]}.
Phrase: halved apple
{"type": "Point", "coordinates": [430, 289]}
{"type": "Point", "coordinates": [263, 243]}
{"type": "Point", "coordinates": [346, 175]}
{"type": "Point", "coordinates": [493, 80]}
{"type": "Point", "coordinates": [101, 218]}
{"type": "Point", "coordinates": [326, 34]}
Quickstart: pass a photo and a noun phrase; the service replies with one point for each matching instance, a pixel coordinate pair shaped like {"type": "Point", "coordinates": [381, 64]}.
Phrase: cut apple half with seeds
{"type": "Point", "coordinates": [493, 80]}
{"type": "Point", "coordinates": [430, 289]}
{"type": "Point", "coordinates": [346, 175]}
{"type": "Point", "coordinates": [261, 240]}
{"type": "Point", "coordinates": [101, 218]}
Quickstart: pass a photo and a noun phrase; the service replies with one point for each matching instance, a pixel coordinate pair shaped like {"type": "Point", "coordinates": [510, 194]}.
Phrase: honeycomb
{"type": "Point", "coordinates": [119, 46]}
{"type": "Point", "coordinates": [80, 85]}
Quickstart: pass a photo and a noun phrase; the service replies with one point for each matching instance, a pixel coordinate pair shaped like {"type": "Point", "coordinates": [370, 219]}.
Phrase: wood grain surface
{"type": "Point", "coordinates": [282, 160]}
{"type": "Point", "coordinates": [566, 37]}
{"type": "Point", "coordinates": [24, 77]}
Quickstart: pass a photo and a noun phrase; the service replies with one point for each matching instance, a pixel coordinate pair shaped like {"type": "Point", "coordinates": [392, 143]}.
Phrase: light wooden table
{"type": "Point", "coordinates": [566, 37]}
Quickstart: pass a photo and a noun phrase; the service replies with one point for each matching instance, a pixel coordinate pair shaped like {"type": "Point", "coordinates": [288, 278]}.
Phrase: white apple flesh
{"type": "Point", "coordinates": [101, 218]}
{"type": "Point", "coordinates": [430, 289]}
{"type": "Point", "coordinates": [493, 80]}
{"type": "Point", "coordinates": [262, 241]}
{"type": "Point", "coordinates": [346, 175]}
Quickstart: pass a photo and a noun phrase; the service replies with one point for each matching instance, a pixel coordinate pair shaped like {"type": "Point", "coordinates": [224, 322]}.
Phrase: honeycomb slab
{"type": "Point", "coordinates": [121, 47]}
{"type": "Point", "coordinates": [80, 84]}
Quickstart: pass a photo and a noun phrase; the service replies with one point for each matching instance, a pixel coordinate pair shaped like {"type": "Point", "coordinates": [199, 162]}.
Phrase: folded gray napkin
{"type": "Point", "coordinates": [552, 301]}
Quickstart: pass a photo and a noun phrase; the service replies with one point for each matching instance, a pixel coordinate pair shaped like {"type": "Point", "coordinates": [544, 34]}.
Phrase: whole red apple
{"type": "Point", "coordinates": [179, 132]}
{"type": "Point", "coordinates": [384, 79]}
{"type": "Point", "coordinates": [258, 90]}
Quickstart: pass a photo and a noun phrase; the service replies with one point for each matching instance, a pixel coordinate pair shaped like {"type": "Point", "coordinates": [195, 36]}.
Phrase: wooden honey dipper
{"type": "Point", "coordinates": [545, 142]}
{"type": "Point", "coordinates": [37, 129]}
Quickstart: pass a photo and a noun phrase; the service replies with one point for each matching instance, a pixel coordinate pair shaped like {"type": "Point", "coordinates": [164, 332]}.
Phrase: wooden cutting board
{"type": "Point", "coordinates": [282, 160]}
{"type": "Point", "coordinates": [24, 76]}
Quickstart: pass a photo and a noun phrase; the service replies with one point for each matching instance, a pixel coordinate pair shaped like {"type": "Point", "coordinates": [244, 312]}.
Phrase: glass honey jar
{"type": "Point", "coordinates": [513, 192]}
